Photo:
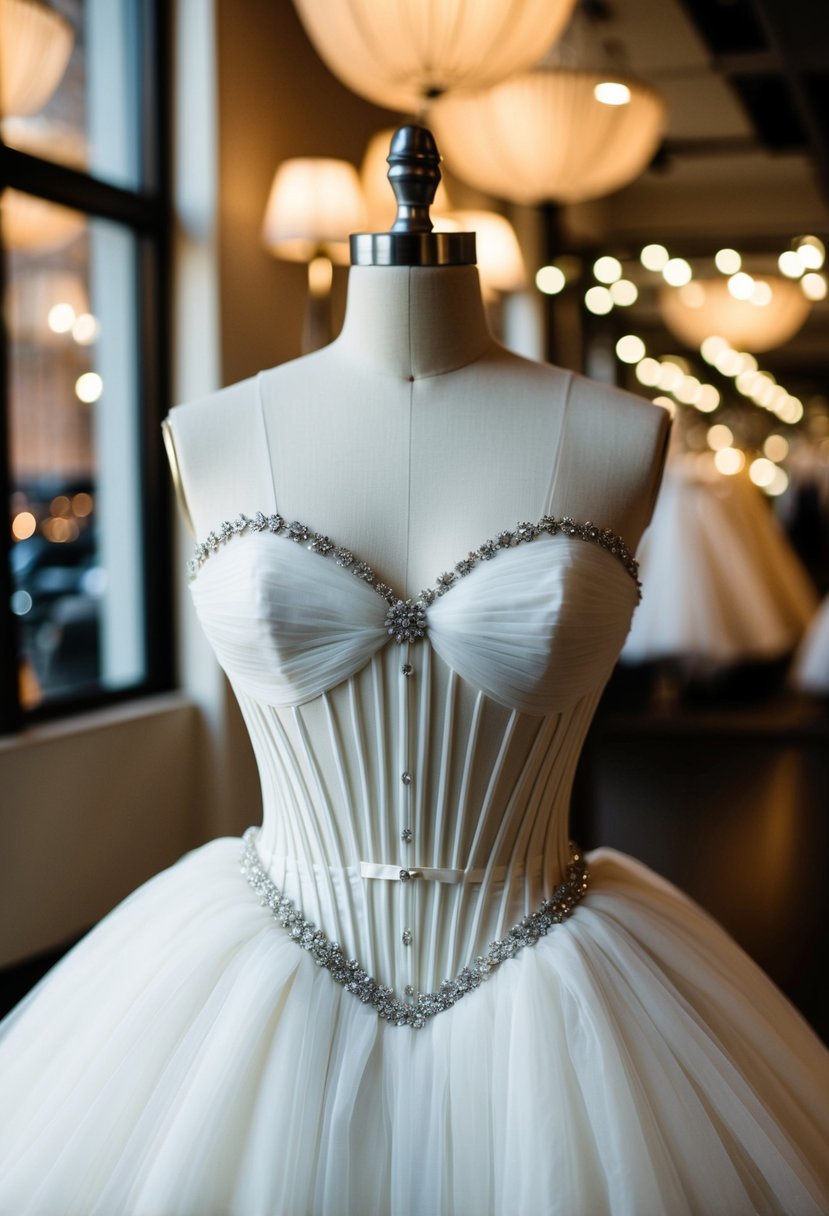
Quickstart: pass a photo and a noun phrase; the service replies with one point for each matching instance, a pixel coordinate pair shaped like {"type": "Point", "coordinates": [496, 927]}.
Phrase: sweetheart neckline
{"type": "Point", "coordinates": [405, 620]}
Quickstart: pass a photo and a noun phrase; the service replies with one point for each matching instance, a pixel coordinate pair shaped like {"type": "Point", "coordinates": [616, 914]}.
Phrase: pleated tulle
{"type": "Point", "coordinates": [535, 628]}
{"type": "Point", "coordinates": [187, 1059]}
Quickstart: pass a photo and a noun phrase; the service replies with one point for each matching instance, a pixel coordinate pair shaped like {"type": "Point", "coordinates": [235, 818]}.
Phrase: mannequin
{"type": "Point", "coordinates": [415, 435]}
{"type": "Point", "coordinates": [194, 1055]}
{"type": "Point", "coordinates": [409, 440]}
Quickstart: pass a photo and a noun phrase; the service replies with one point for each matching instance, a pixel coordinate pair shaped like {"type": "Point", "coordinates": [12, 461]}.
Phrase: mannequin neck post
{"type": "Point", "coordinates": [414, 322]}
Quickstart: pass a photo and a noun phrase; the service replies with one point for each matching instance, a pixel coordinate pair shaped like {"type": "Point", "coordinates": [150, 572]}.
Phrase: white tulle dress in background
{"type": "Point", "coordinates": [722, 583]}
{"type": "Point", "coordinates": [189, 1058]}
{"type": "Point", "coordinates": [810, 670]}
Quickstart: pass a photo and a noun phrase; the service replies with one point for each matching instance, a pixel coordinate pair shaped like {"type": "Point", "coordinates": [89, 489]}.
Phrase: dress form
{"type": "Point", "coordinates": [415, 435]}
{"type": "Point", "coordinates": [207, 1049]}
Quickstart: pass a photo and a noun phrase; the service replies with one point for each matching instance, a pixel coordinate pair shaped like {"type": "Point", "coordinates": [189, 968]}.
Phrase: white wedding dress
{"type": "Point", "coordinates": [206, 1051]}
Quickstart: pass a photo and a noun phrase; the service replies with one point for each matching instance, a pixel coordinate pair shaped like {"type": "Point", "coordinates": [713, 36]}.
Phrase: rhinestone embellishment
{"type": "Point", "coordinates": [356, 980]}
{"type": "Point", "coordinates": [406, 619]}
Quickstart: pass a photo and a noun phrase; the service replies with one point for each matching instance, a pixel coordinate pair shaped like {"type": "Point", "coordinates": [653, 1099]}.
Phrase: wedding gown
{"type": "Point", "coordinates": [722, 583]}
{"type": "Point", "coordinates": [407, 1002]}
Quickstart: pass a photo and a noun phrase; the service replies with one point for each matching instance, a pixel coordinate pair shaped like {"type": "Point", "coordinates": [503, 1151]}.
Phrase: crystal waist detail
{"type": "Point", "coordinates": [412, 1008]}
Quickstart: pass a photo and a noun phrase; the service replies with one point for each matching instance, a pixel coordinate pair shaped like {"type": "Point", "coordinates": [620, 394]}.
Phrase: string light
{"type": "Point", "coordinates": [677, 272]}
{"type": "Point", "coordinates": [630, 348]}
{"type": "Point", "coordinates": [607, 269]}
{"type": "Point", "coordinates": [654, 257]}
{"type": "Point", "coordinates": [550, 280]}
{"type": "Point", "coordinates": [790, 265]}
{"type": "Point", "coordinates": [598, 300]}
{"type": "Point", "coordinates": [727, 261]}
{"type": "Point", "coordinates": [811, 251]}
{"type": "Point", "coordinates": [623, 292]}
{"type": "Point", "coordinates": [729, 461]}
{"type": "Point", "coordinates": [719, 436]}
{"type": "Point", "coordinates": [813, 286]}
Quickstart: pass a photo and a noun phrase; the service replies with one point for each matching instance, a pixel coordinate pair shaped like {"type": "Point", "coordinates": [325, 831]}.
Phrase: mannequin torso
{"type": "Point", "coordinates": [414, 435]}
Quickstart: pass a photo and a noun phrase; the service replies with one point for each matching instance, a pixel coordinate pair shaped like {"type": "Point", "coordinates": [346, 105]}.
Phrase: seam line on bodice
{"type": "Point", "coordinates": [562, 430]}
{"type": "Point", "coordinates": [266, 437]}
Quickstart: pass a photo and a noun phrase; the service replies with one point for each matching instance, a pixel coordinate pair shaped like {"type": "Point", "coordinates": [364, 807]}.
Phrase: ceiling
{"type": "Point", "coordinates": [746, 153]}
{"type": "Point", "coordinates": [745, 159]}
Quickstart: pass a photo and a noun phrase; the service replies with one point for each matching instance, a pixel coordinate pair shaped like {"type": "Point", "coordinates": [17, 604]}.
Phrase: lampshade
{"type": "Point", "coordinates": [500, 262]}
{"type": "Point", "coordinates": [545, 137]}
{"type": "Point", "coordinates": [399, 52]}
{"type": "Point", "coordinates": [35, 45]}
{"type": "Point", "coordinates": [381, 205]}
{"type": "Point", "coordinates": [314, 205]}
{"type": "Point", "coordinates": [705, 307]}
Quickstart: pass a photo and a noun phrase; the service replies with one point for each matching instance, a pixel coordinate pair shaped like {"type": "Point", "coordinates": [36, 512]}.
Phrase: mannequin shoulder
{"type": "Point", "coordinates": [215, 449]}
{"type": "Point", "coordinates": [614, 447]}
{"type": "Point", "coordinates": [218, 410]}
{"type": "Point", "coordinates": [619, 412]}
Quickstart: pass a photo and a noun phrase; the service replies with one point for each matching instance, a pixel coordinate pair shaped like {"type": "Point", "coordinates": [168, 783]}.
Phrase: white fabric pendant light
{"type": "Point", "coordinates": [399, 52]}
{"type": "Point", "coordinates": [545, 136]}
{"type": "Point", "coordinates": [704, 307]}
{"type": "Point", "coordinates": [35, 45]}
{"type": "Point", "coordinates": [500, 261]}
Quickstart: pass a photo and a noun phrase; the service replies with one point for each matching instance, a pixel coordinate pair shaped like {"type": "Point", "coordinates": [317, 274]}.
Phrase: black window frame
{"type": "Point", "coordinates": [146, 212]}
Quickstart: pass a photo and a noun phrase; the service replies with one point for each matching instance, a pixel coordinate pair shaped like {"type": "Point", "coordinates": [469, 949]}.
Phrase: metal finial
{"type": "Point", "coordinates": [414, 174]}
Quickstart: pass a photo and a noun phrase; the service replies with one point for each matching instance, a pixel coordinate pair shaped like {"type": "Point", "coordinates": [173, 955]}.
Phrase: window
{"type": "Point", "coordinates": [84, 596]}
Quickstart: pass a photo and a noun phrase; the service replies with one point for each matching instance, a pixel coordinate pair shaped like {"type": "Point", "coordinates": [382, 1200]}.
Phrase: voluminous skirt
{"type": "Point", "coordinates": [187, 1059]}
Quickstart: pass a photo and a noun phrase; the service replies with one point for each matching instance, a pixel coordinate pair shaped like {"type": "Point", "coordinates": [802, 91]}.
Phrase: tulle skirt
{"type": "Point", "coordinates": [187, 1059]}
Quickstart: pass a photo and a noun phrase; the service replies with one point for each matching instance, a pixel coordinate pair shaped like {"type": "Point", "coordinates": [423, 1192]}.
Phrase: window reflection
{"type": "Point", "coordinates": [74, 513]}
{"type": "Point", "coordinates": [68, 84]}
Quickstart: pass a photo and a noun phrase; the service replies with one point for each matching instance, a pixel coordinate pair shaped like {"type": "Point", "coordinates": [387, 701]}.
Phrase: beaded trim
{"type": "Point", "coordinates": [406, 619]}
{"type": "Point", "coordinates": [423, 1005]}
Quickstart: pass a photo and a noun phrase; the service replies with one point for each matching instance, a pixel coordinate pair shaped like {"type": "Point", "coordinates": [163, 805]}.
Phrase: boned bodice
{"type": "Point", "coordinates": [447, 755]}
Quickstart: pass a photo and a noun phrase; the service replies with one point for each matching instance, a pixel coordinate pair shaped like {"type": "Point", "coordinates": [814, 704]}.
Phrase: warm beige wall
{"type": "Point", "coordinates": [277, 100]}
{"type": "Point", "coordinates": [89, 808]}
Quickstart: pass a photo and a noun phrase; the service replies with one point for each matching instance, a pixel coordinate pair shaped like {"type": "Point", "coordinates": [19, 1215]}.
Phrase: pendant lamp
{"type": "Point", "coordinates": [399, 53]}
{"type": "Point", "coordinates": [551, 135]}
{"type": "Point", "coordinates": [35, 45]}
{"type": "Point", "coordinates": [500, 261]}
{"type": "Point", "coordinates": [704, 307]}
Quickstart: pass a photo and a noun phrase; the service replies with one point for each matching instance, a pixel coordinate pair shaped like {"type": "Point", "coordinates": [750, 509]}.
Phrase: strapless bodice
{"type": "Point", "coordinates": [415, 791]}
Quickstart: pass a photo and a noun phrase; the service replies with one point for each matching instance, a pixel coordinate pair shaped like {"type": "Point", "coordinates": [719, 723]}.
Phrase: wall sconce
{"type": "Point", "coordinates": [314, 205]}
